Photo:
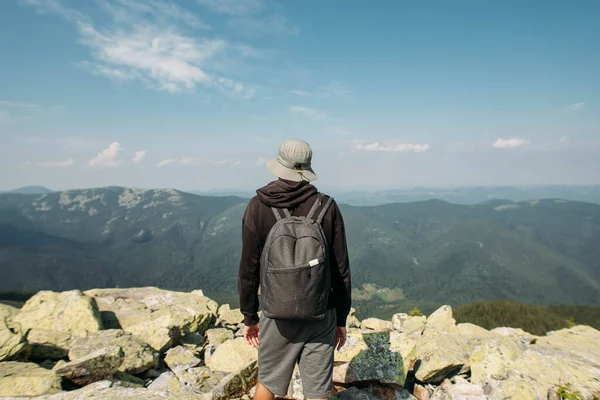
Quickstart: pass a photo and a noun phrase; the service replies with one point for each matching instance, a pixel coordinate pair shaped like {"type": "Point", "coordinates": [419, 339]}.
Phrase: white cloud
{"type": "Point", "coordinates": [57, 164]}
{"type": "Point", "coordinates": [173, 161]}
{"type": "Point", "coordinates": [333, 89]}
{"type": "Point", "coordinates": [307, 112]}
{"type": "Point", "coordinates": [233, 7]}
{"type": "Point", "coordinates": [144, 43]}
{"type": "Point", "coordinates": [510, 143]}
{"type": "Point", "coordinates": [564, 139]}
{"type": "Point", "coordinates": [107, 157]}
{"type": "Point", "coordinates": [397, 147]}
{"type": "Point", "coordinates": [139, 156]}
{"type": "Point", "coordinates": [226, 162]}
{"type": "Point", "coordinates": [576, 106]}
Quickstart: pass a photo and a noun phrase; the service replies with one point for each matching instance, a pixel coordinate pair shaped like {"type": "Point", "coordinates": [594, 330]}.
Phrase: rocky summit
{"type": "Point", "coordinates": [147, 343]}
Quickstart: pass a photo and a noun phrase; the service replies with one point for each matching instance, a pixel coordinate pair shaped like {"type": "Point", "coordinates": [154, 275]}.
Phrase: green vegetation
{"type": "Point", "coordinates": [533, 319]}
{"type": "Point", "coordinates": [567, 393]}
{"type": "Point", "coordinates": [403, 256]}
{"type": "Point", "coordinates": [415, 312]}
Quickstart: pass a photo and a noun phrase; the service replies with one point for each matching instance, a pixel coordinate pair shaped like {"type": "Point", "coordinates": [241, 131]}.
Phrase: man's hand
{"type": "Point", "coordinates": [252, 334]}
{"type": "Point", "coordinates": [340, 337]}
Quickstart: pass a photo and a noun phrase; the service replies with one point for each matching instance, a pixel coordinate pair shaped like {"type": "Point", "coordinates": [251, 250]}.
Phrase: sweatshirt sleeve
{"type": "Point", "coordinates": [341, 278]}
{"type": "Point", "coordinates": [249, 273]}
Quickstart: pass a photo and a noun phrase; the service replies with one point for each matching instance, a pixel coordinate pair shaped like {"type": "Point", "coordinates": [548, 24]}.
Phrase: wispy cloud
{"type": "Point", "coordinates": [510, 143]}
{"type": "Point", "coordinates": [564, 139]}
{"type": "Point", "coordinates": [57, 164]}
{"type": "Point", "coordinates": [333, 89]}
{"type": "Point", "coordinates": [221, 163]}
{"type": "Point", "coordinates": [233, 7]}
{"type": "Point", "coordinates": [173, 161]}
{"type": "Point", "coordinates": [576, 106]}
{"type": "Point", "coordinates": [395, 147]}
{"type": "Point", "coordinates": [107, 157]}
{"type": "Point", "coordinates": [144, 43]}
{"type": "Point", "coordinates": [139, 156]}
{"type": "Point", "coordinates": [11, 111]}
{"type": "Point", "coordinates": [307, 112]}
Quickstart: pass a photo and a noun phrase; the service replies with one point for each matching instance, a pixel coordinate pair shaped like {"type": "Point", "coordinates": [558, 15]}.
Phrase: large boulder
{"type": "Point", "coordinates": [352, 321]}
{"type": "Point", "coordinates": [218, 336]}
{"type": "Point", "coordinates": [230, 355]}
{"type": "Point", "coordinates": [7, 312]}
{"type": "Point", "coordinates": [229, 317]}
{"type": "Point", "coordinates": [50, 321]}
{"type": "Point", "coordinates": [138, 355]}
{"type": "Point", "coordinates": [355, 344]}
{"type": "Point", "coordinates": [441, 356]}
{"type": "Point", "coordinates": [376, 324]}
{"type": "Point", "coordinates": [441, 321]}
{"type": "Point", "coordinates": [115, 391]}
{"type": "Point", "coordinates": [237, 382]}
{"type": "Point", "coordinates": [516, 334]}
{"type": "Point", "coordinates": [97, 366]}
{"type": "Point", "coordinates": [516, 370]}
{"type": "Point", "coordinates": [410, 326]}
{"type": "Point", "coordinates": [181, 358]}
{"type": "Point", "coordinates": [473, 330]}
{"type": "Point", "coordinates": [159, 316]}
{"type": "Point", "coordinates": [27, 379]}
{"type": "Point", "coordinates": [12, 345]}
{"type": "Point", "coordinates": [376, 363]}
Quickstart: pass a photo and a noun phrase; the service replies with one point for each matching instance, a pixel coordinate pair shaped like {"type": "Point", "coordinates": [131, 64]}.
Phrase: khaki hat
{"type": "Point", "coordinates": [293, 161]}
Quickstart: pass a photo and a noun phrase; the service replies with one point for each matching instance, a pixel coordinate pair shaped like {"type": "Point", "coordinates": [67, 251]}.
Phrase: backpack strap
{"type": "Point", "coordinates": [286, 213]}
{"type": "Point", "coordinates": [316, 205]}
{"type": "Point", "coordinates": [324, 210]}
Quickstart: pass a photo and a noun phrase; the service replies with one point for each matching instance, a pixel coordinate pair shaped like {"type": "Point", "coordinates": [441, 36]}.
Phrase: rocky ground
{"type": "Point", "coordinates": [147, 343]}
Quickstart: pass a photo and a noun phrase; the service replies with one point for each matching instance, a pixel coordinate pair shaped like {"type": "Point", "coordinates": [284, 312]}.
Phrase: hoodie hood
{"type": "Point", "coordinates": [286, 194]}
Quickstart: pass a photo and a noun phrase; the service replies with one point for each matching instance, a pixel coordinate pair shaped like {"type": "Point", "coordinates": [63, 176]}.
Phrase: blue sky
{"type": "Point", "coordinates": [196, 94]}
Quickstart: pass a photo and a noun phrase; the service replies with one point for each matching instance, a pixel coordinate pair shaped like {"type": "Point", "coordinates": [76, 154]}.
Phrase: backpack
{"type": "Point", "coordinates": [295, 276]}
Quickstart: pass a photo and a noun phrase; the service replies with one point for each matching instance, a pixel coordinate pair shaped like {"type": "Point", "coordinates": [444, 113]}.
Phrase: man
{"type": "Point", "coordinates": [283, 341]}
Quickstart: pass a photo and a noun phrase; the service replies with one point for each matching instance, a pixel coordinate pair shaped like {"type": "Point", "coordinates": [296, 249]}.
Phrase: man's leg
{"type": "Point", "coordinates": [316, 359]}
{"type": "Point", "coordinates": [262, 393]}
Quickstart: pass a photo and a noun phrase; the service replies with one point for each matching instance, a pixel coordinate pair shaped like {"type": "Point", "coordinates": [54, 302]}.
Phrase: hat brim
{"type": "Point", "coordinates": [290, 174]}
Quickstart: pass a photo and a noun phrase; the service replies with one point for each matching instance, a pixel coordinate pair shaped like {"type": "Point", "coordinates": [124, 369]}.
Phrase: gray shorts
{"type": "Point", "coordinates": [285, 343]}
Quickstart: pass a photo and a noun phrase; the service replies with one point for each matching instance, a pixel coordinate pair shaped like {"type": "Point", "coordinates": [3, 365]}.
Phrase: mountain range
{"type": "Point", "coordinates": [427, 252]}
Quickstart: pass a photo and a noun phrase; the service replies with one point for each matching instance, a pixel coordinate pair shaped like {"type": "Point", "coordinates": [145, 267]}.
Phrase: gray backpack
{"type": "Point", "coordinates": [294, 267]}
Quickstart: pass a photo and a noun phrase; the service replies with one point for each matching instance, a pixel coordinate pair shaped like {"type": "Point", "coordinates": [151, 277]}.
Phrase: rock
{"type": "Point", "coordinates": [354, 345]}
{"type": "Point", "coordinates": [230, 355]}
{"type": "Point", "coordinates": [352, 321]}
{"type": "Point", "coordinates": [49, 321]}
{"type": "Point", "coordinates": [463, 390]}
{"type": "Point", "coordinates": [218, 336]}
{"type": "Point", "coordinates": [158, 316]}
{"type": "Point", "coordinates": [510, 370]}
{"type": "Point", "coordinates": [138, 355]}
{"type": "Point", "coordinates": [441, 355]}
{"type": "Point", "coordinates": [12, 345]}
{"type": "Point", "coordinates": [376, 363]}
{"type": "Point", "coordinates": [27, 379]}
{"type": "Point", "coordinates": [200, 379]}
{"type": "Point", "coordinates": [180, 358]}
{"type": "Point", "coordinates": [229, 317]}
{"type": "Point", "coordinates": [376, 325]}
{"type": "Point", "coordinates": [115, 391]}
{"type": "Point", "coordinates": [127, 380]}
{"type": "Point", "coordinates": [193, 341]}
{"type": "Point", "coordinates": [441, 321]}
{"type": "Point", "coordinates": [209, 350]}
{"type": "Point", "coordinates": [410, 326]}
{"type": "Point", "coordinates": [96, 366]}
{"type": "Point", "coordinates": [389, 392]}
{"type": "Point", "coordinates": [7, 312]}
{"type": "Point", "coordinates": [517, 334]}
{"type": "Point", "coordinates": [471, 329]}
{"type": "Point", "coordinates": [354, 393]}
{"type": "Point", "coordinates": [421, 393]}
{"type": "Point", "coordinates": [401, 344]}
{"type": "Point", "coordinates": [237, 383]}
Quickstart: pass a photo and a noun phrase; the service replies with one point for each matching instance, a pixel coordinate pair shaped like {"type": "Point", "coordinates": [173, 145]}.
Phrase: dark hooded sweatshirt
{"type": "Point", "coordinates": [258, 220]}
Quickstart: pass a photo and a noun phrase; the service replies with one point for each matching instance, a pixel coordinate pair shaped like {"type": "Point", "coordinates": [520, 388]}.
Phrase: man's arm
{"type": "Point", "coordinates": [249, 273]}
{"type": "Point", "coordinates": [341, 282]}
